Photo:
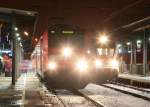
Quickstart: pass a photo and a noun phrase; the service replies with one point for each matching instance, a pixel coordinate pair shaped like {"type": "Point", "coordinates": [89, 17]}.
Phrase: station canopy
{"type": "Point", "coordinates": [24, 29]}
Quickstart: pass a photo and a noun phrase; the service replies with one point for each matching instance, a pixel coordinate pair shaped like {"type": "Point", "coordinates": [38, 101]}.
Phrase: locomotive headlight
{"type": "Point", "coordinates": [52, 65]}
{"type": "Point", "coordinates": [98, 63]}
{"type": "Point", "coordinates": [67, 52]}
{"type": "Point", "coordinates": [114, 63]}
{"type": "Point", "coordinates": [82, 65]}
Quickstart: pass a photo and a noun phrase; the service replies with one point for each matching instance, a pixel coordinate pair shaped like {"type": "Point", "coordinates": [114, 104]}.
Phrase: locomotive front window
{"type": "Point", "coordinates": [58, 39]}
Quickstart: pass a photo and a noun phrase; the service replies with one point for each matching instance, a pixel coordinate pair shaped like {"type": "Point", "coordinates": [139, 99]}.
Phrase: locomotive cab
{"type": "Point", "coordinates": [67, 65]}
{"type": "Point", "coordinates": [107, 64]}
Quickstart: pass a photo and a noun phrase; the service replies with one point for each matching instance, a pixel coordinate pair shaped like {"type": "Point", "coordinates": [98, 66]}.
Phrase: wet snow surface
{"type": "Point", "coordinates": [71, 100]}
{"type": "Point", "coordinates": [112, 98]}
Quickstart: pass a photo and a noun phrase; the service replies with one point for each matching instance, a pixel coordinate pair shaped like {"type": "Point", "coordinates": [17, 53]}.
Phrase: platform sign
{"type": "Point", "coordinates": [139, 45]}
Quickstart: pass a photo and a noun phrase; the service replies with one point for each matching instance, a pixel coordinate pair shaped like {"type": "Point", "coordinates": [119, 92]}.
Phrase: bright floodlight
{"type": "Point", "coordinates": [103, 39]}
{"type": "Point", "coordinates": [67, 52]}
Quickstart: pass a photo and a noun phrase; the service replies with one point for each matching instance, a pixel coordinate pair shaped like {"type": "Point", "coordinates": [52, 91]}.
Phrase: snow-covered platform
{"type": "Point", "coordinates": [135, 78]}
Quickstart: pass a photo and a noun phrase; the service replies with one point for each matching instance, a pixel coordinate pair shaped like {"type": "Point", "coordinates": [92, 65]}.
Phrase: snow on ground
{"type": "Point", "coordinates": [72, 100]}
{"type": "Point", "coordinates": [130, 90]}
{"type": "Point", "coordinates": [112, 98]}
{"type": "Point", "coordinates": [5, 83]}
{"type": "Point", "coordinates": [136, 77]}
{"type": "Point", "coordinates": [146, 89]}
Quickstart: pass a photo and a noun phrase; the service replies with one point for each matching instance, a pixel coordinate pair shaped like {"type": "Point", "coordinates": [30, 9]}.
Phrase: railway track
{"type": "Point", "coordinates": [130, 86]}
{"type": "Point", "coordinates": [60, 99]}
{"type": "Point", "coordinates": [131, 90]}
{"type": "Point", "coordinates": [75, 98]}
{"type": "Point", "coordinates": [97, 104]}
{"type": "Point", "coordinates": [91, 102]}
{"type": "Point", "coordinates": [90, 97]}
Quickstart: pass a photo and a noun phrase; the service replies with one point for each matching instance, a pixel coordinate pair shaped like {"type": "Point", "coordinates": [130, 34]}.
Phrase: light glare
{"type": "Point", "coordinates": [82, 65]}
{"type": "Point", "coordinates": [52, 65]}
{"type": "Point", "coordinates": [98, 63]}
{"type": "Point", "coordinates": [114, 63]}
{"type": "Point", "coordinates": [88, 51]}
{"type": "Point", "coordinates": [67, 52]}
{"type": "Point", "coordinates": [103, 39]}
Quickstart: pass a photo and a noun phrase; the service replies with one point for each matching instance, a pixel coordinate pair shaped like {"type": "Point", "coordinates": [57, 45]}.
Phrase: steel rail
{"type": "Point", "coordinates": [88, 98]}
{"type": "Point", "coordinates": [76, 92]}
{"type": "Point", "coordinates": [129, 86]}
{"type": "Point", "coordinates": [127, 92]}
{"type": "Point", "coordinates": [52, 90]}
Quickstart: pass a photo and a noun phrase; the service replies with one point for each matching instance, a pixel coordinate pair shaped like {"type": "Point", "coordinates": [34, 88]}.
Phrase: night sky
{"type": "Point", "coordinates": [91, 15]}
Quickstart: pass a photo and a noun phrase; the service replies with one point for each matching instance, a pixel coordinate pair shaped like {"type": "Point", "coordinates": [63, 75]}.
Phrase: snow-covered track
{"type": "Point", "coordinates": [140, 93]}
{"type": "Point", "coordinates": [130, 86]}
{"type": "Point", "coordinates": [89, 99]}
{"type": "Point", "coordinates": [67, 100]}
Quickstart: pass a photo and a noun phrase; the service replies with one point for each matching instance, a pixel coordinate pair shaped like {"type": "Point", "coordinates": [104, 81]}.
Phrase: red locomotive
{"type": "Point", "coordinates": [62, 61]}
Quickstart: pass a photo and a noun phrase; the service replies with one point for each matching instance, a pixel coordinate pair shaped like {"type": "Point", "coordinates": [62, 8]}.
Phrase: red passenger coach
{"type": "Point", "coordinates": [61, 59]}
